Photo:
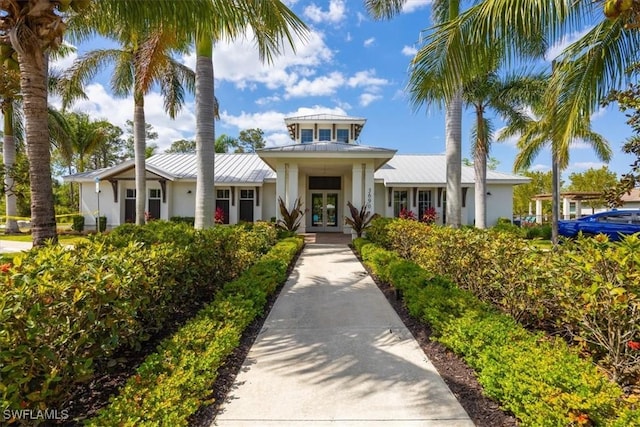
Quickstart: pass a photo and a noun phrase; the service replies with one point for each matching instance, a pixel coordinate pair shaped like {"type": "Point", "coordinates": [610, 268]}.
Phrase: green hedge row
{"type": "Point", "coordinates": [587, 289]}
{"type": "Point", "coordinates": [541, 380]}
{"type": "Point", "coordinates": [64, 312]}
{"type": "Point", "coordinates": [175, 381]}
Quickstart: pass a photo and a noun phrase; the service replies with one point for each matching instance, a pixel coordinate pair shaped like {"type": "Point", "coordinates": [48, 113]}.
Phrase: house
{"type": "Point", "coordinates": [324, 166]}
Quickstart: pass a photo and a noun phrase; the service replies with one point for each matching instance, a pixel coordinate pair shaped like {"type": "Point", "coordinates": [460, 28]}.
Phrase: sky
{"type": "Point", "coordinates": [350, 65]}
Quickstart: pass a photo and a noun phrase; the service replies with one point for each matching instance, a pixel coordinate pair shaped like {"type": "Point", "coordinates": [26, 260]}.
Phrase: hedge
{"type": "Point", "coordinates": [64, 311]}
{"type": "Point", "coordinates": [587, 289]}
{"type": "Point", "coordinates": [174, 382]}
{"type": "Point", "coordinates": [540, 379]}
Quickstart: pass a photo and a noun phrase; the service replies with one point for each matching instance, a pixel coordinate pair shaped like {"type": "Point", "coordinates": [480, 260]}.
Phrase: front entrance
{"type": "Point", "coordinates": [324, 211]}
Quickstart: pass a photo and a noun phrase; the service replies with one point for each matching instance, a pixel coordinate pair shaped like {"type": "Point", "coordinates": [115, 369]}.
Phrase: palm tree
{"type": "Point", "coordinates": [443, 11]}
{"type": "Point", "coordinates": [144, 60]}
{"type": "Point", "coordinates": [272, 24]}
{"type": "Point", "coordinates": [33, 27]}
{"type": "Point", "coordinates": [506, 96]}
{"type": "Point", "coordinates": [83, 137]}
{"type": "Point", "coordinates": [540, 132]}
{"type": "Point", "coordinates": [9, 92]}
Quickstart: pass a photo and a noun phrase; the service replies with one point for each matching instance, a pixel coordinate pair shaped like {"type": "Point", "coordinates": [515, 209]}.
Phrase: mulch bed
{"type": "Point", "coordinates": [459, 377]}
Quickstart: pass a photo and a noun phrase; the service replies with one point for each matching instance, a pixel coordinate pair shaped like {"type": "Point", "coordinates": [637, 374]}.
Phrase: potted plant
{"type": "Point", "coordinates": [360, 219]}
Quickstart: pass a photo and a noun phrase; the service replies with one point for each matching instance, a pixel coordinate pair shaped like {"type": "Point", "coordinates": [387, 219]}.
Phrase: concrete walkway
{"type": "Point", "coordinates": [334, 352]}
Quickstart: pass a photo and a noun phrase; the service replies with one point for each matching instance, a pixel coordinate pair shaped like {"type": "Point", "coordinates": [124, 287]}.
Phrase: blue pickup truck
{"type": "Point", "coordinates": [612, 223]}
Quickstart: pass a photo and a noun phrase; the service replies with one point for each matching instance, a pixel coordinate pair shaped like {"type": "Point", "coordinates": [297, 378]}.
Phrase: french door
{"type": "Point", "coordinates": [325, 215]}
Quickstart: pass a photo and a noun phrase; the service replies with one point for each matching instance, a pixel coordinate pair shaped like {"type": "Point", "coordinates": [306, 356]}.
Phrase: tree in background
{"type": "Point", "coordinates": [250, 140]}
{"type": "Point", "coordinates": [129, 145]}
{"type": "Point", "coordinates": [111, 151]}
{"type": "Point", "coordinates": [9, 93]}
{"type": "Point", "coordinates": [593, 180]}
{"type": "Point", "coordinates": [224, 143]}
{"type": "Point", "coordinates": [182, 146]}
{"type": "Point", "coordinates": [144, 60]}
{"type": "Point", "coordinates": [442, 11]}
{"type": "Point", "coordinates": [523, 194]}
{"type": "Point", "coordinates": [492, 163]}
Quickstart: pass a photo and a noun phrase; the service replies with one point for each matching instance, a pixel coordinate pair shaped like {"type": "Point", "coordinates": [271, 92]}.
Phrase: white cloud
{"type": "Point", "coordinates": [335, 14]}
{"type": "Point", "coordinates": [413, 5]}
{"type": "Point", "coordinates": [267, 100]}
{"type": "Point", "coordinates": [320, 86]}
{"type": "Point", "coordinates": [409, 51]}
{"type": "Point", "coordinates": [565, 41]}
{"type": "Point", "coordinates": [367, 79]}
{"type": "Point", "coordinates": [238, 62]}
{"type": "Point", "coordinates": [540, 168]}
{"type": "Point", "coordinates": [102, 105]}
{"type": "Point", "coordinates": [368, 98]}
{"type": "Point", "coordinates": [602, 111]}
{"type": "Point", "coordinates": [272, 122]}
{"type": "Point", "coordinates": [368, 42]}
{"type": "Point", "coordinates": [582, 166]}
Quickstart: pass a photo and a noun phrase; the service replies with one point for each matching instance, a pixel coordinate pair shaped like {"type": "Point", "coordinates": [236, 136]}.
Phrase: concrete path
{"type": "Point", "coordinates": [334, 352]}
{"type": "Point", "coordinates": [7, 246]}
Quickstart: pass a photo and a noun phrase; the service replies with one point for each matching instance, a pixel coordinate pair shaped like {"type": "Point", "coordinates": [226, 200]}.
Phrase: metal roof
{"type": "Point", "coordinates": [249, 168]}
{"type": "Point", "coordinates": [324, 117]}
{"type": "Point", "coordinates": [328, 147]}
{"type": "Point", "coordinates": [405, 169]}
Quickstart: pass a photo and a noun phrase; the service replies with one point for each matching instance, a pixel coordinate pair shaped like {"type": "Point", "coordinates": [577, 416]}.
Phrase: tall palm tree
{"type": "Point", "coordinates": [9, 92]}
{"type": "Point", "coordinates": [83, 137]}
{"type": "Point", "coordinates": [443, 11]}
{"type": "Point", "coordinates": [144, 60]}
{"type": "Point", "coordinates": [272, 24]}
{"type": "Point", "coordinates": [507, 96]}
{"type": "Point", "coordinates": [33, 27]}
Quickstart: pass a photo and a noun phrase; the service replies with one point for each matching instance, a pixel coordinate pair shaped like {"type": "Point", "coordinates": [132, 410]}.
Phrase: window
{"type": "Point", "coordinates": [306, 135]}
{"type": "Point", "coordinates": [400, 202]}
{"type": "Point", "coordinates": [154, 193]}
{"type": "Point", "coordinates": [324, 135]}
{"type": "Point", "coordinates": [343, 135]}
{"type": "Point", "coordinates": [222, 206]}
{"type": "Point", "coordinates": [424, 202]}
{"type": "Point", "coordinates": [131, 193]}
{"type": "Point", "coordinates": [246, 194]}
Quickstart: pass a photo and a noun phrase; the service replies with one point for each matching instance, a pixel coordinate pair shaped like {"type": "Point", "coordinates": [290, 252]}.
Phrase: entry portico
{"type": "Point", "coordinates": [325, 168]}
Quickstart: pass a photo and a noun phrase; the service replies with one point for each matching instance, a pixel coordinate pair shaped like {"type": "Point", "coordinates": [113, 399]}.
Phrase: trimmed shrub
{"type": "Point", "coordinates": [540, 379]}
{"type": "Point", "coordinates": [77, 223]}
{"type": "Point", "coordinates": [64, 310]}
{"type": "Point", "coordinates": [172, 383]}
{"type": "Point", "coordinates": [189, 220]}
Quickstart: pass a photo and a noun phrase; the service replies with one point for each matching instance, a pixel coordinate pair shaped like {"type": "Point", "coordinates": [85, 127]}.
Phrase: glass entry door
{"type": "Point", "coordinates": [324, 211]}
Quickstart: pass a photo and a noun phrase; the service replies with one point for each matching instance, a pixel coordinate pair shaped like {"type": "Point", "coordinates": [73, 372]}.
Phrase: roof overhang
{"type": "Point", "coordinates": [273, 156]}
{"type": "Point", "coordinates": [112, 173]}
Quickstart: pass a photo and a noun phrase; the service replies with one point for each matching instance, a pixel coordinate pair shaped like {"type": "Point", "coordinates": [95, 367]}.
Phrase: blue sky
{"type": "Point", "coordinates": [349, 65]}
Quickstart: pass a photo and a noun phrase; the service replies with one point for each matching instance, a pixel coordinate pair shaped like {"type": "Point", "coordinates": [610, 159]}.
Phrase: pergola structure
{"type": "Point", "coordinates": [576, 197]}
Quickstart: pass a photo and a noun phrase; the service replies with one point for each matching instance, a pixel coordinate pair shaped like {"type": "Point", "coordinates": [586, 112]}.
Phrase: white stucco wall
{"type": "Point", "coordinates": [499, 203]}
{"type": "Point", "coordinates": [268, 200]}
{"type": "Point", "coordinates": [180, 202]}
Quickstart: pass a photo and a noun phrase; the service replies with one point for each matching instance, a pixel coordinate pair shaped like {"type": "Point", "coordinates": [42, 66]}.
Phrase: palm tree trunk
{"type": "Point", "coordinates": [33, 83]}
{"type": "Point", "coordinates": [205, 133]}
{"type": "Point", "coordinates": [139, 154]}
{"type": "Point", "coordinates": [555, 194]}
{"type": "Point", "coordinates": [480, 169]}
{"type": "Point", "coordinates": [453, 130]}
{"type": "Point", "coordinates": [9, 157]}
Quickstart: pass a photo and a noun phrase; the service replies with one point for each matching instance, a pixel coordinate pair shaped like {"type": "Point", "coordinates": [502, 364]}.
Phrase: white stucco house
{"type": "Point", "coordinates": [324, 166]}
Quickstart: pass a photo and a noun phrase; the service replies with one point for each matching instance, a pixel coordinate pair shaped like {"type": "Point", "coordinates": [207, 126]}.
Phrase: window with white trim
{"type": "Point", "coordinates": [424, 202]}
{"type": "Point", "coordinates": [324, 135]}
{"type": "Point", "coordinates": [342, 135]}
{"type": "Point", "coordinates": [306, 135]}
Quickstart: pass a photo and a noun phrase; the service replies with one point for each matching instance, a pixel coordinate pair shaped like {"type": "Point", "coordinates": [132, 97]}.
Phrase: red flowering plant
{"type": "Point", "coordinates": [219, 216]}
{"type": "Point", "coordinates": [429, 216]}
{"type": "Point", "coordinates": [634, 345]}
{"type": "Point", "coordinates": [4, 268]}
{"type": "Point", "coordinates": [407, 214]}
